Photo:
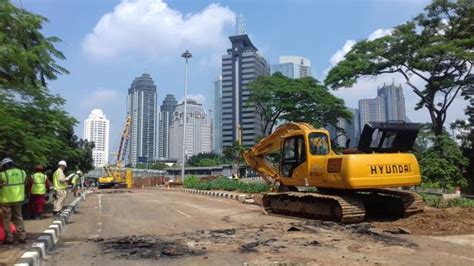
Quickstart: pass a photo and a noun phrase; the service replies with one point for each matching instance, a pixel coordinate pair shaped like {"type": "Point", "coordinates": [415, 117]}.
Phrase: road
{"type": "Point", "coordinates": [149, 227]}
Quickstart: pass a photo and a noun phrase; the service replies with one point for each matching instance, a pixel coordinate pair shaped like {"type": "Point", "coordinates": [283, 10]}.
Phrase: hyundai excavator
{"type": "Point", "coordinates": [350, 185]}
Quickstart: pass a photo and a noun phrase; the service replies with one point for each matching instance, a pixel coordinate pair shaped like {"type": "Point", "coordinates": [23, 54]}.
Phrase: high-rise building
{"type": "Point", "coordinates": [217, 118]}
{"type": "Point", "coordinates": [293, 66]}
{"type": "Point", "coordinates": [141, 106]}
{"type": "Point", "coordinates": [371, 110]}
{"type": "Point", "coordinates": [96, 129]}
{"type": "Point", "coordinates": [165, 118]}
{"type": "Point", "coordinates": [240, 65]}
{"type": "Point", "coordinates": [198, 130]}
{"type": "Point", "coordinates": [351, 128]}
{"type": "Point", "coordinates": [394, 102]}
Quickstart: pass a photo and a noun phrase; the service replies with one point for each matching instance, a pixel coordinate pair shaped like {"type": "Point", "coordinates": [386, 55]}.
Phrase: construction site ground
{"type": "Point", "coordinates": [147, 227]}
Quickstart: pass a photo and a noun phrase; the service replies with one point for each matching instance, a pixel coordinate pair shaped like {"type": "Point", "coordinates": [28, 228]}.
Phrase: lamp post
{"type": "Point", "coordinates": [186, 55]}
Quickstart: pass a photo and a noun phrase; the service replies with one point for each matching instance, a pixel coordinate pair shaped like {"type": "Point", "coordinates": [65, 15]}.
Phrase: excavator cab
{"type": "Point", "coordinates": [388, 137]}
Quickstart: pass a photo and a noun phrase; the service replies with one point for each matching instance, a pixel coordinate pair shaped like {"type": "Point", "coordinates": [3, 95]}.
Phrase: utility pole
{"type": "Point", "coordinates": [186, 55]}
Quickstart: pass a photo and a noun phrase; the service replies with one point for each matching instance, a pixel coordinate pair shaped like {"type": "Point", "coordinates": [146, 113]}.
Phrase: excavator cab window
{"type": "Point", "coordinates": [293, 154]}
{"type": "Point", "coordinates": [319, 144]}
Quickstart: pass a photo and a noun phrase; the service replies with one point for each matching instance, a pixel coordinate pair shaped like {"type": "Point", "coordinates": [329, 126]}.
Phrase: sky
{"type": "Point", "coordinates": [108, 43]}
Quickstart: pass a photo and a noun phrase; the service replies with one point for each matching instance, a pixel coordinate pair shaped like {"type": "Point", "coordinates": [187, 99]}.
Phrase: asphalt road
{"type": "Point", "coordinates": [149, 227]}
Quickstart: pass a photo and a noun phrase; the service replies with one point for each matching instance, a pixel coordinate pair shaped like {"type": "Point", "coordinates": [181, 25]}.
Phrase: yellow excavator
{"type": "Point", "coordinates": [350, 185]}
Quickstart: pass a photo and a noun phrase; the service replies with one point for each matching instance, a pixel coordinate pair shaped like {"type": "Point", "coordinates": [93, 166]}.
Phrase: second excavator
{"type": "Point", "coordinates": [349, 185]}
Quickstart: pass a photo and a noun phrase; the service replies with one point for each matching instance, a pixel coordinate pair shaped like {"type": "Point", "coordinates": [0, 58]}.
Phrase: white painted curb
{"type": "Point", "coordinates": [49, 238]}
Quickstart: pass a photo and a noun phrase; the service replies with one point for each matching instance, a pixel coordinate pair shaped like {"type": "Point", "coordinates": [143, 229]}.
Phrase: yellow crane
{"type": "Point", "coordinates": [350, 184]}
{"type": "Point", "coordinates": [114, 178]}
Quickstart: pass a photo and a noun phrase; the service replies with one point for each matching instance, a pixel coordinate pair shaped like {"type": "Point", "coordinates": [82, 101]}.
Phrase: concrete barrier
{"type": "Point", "coordinates": [50, 237]}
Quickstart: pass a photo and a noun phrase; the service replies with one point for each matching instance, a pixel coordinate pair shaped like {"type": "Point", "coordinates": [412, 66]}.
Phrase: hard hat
{"type": "Point", "coordinates": [79, 172]}
{"type": "Point", "coordinates": [63, 163]}
{"type": "Point", "coordinates": [5, 161]}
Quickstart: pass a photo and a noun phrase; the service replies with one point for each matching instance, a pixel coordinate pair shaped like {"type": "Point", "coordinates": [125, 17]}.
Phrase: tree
{"type": "Point", "coordinates": [34, 129]}
{"type": "Point", "coordinates": [465, 135]}
{"type": "Point", "coordinates": [300, 100]}
{"type": "Point", "coordinates": [435, 47]}
{"type": "Point", "coordinates": [235, 153]}
{"type": "Point", "coordinates": [443, 163]}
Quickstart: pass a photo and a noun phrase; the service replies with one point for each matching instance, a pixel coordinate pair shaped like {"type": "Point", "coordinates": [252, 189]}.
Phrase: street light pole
{"type": "Point", "coordinates": [186, 55]}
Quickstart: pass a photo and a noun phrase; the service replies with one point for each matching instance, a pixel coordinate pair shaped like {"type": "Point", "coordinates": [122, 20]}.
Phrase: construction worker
{"type": "Point", "coordinates": [39, 187]}
{"type": "Point", "coordinates": [76, 180]}
{"type": "Point", "coordinates": [60, 186]}
{"type": "Point", "coordinates": [12, 195]}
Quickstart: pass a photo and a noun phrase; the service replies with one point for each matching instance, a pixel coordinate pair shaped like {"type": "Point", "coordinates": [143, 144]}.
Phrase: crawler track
{"type": "Point", "coordinates": [346, 208]}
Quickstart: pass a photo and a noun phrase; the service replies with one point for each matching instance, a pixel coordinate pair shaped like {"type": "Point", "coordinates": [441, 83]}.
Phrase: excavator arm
{"type": "Point", "coordinates": [256, 156]}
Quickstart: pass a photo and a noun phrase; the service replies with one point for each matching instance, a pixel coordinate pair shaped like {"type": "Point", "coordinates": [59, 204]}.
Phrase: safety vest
{"type": "Point", "coordinates": [58, 185]}
{"type": "Point", "coordinates": [74, 179]}
{"type": "Point", "coordinates": [39, 184]}
{"type": "Point", "coordinates": [12, 189]}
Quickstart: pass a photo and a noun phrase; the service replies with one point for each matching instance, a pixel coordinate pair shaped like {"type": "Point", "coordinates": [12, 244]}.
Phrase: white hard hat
{"type": "Point", "coordinates": [63, 163]}
{"type": "Point", "coordinates": [5, 161]}
{"type": "Point", "coordinates": [79, 172]}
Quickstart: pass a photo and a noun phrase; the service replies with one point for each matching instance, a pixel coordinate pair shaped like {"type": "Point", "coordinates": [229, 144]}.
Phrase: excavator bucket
{"type": "Point", "coordinates": [388, 137]}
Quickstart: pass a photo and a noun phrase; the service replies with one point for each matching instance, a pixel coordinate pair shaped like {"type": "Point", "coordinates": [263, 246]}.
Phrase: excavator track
{"type": "Point", "coordinates": [348, 208]}
{"type": "Point", "coordinates": [338, 208]}
{"type": "Point", "coordinates": [404, 203]}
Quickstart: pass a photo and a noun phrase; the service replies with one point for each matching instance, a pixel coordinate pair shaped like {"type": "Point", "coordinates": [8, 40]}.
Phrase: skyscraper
{"type": "Point", "coordinates": [198, 130]}
{"type": "Point", "coordinates": [141, 106]}
{"type": "Point", "coordinates": [293, 66]}
{"type": "Point", "coordinates": [96, 129]}
{"type": "Point", "coordinates": [165, 118]}
{"type": "Point", "coordinates": [394, 102]}
{"type": "Point", "coordinates": [352, 130]}
{"type": "Point", "coordinates": [217, 119]}
{"type": "Point", "coordinates": [371, 110]}
{"type": "Point", "coordinates": [240, 65]}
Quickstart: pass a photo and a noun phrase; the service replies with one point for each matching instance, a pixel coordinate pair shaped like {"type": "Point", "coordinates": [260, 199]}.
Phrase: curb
{"type": "Point", "coordinates": [241, 197]}
{"type": "Point", "coordinates": [49, 237]}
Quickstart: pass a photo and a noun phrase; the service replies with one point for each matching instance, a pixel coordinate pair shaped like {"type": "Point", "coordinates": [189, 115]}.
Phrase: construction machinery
{"type": "Point", "coordinates": [349, 185]}
{"type": "Point", "coordinates": [114, 177]}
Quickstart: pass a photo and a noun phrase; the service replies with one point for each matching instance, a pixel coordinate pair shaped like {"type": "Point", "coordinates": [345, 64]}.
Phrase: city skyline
{"type": "Point", "coordinates": [331, 34]}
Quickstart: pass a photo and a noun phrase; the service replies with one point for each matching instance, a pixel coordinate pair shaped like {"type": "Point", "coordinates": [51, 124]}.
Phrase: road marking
{"type": "Point", "coordinates": [460, 257]}
{"type": "Point", "coordinates": [180, 212]}
{"type": "Point", "coordinates": [100, 203]}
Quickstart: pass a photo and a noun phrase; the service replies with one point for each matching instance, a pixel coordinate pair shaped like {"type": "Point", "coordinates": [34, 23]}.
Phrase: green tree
{"type": "Point", "coordinates": [465, 135]}
{"type": "Point", "coordinates": [443, 163]}
{"type": "Point", "coordinates": [33, 126]}
{"type": "Point", "coordinates": [234, 153]}
{"type": "Point", "coordinates": [300, 100]}
{"type": "Point", "coordinates": [436, 47]}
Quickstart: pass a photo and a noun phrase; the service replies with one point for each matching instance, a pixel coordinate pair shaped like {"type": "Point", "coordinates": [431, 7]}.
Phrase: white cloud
{"type": "Point", "coordinates": [151, 28]}
{"type": "Point", "coordinates": [339, 54]}
{"type": "Point", "coordinates": [100, 98]}
{"type": "Point", "coordinates": [379, 33]}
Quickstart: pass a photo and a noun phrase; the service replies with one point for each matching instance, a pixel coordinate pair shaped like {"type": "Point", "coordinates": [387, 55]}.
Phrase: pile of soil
{"type": "Point", "coordinates": [436, 222]}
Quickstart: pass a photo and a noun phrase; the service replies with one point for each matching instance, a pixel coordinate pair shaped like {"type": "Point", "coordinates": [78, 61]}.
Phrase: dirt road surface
{"type": "Point", "coordinates": [176, 228]}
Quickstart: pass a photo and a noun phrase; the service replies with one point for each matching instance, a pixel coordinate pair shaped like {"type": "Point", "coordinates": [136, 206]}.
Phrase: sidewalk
{"type": "Point", "coordinates": [10, 253]}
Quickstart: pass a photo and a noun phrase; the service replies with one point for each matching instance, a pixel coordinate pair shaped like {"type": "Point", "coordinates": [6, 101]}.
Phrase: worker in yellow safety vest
{"type": "Point", "coordinates": [12, 195]}
{"type": "Point", "coordinates": [76, 180]}
{"type": "Point", "coordinates": [38, 187]}
{"type": "Point", "coordinates": [60, 186]}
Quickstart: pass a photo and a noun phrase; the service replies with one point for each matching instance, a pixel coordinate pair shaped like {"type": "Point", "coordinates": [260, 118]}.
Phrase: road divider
{"type": "Point", "coordinates": [48, 239]}
{"type": "Point", "coordinates": [241, 197]}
